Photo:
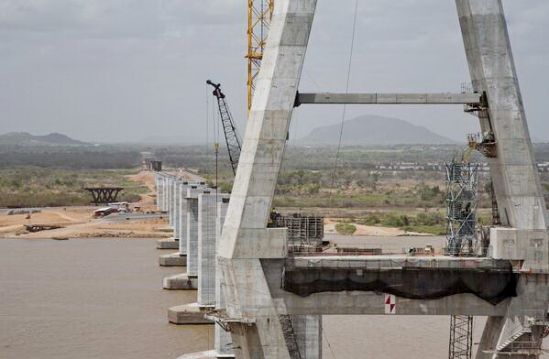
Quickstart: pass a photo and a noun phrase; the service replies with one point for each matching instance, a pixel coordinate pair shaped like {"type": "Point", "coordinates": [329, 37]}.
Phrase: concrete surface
{"type": "Point", "coordinates": [180, 282]}
{"type": "Point", "coordinates": [169, 243]}
{"type": "Point", "coordinates": [188, 314]}
{"type": "Point", "coordinates": [172, 260]}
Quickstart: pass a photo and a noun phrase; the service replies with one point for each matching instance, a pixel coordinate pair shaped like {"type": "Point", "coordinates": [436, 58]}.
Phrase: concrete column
{"type": "Point", "coordinates": [308, 332]}
{"type": "Point", "coordinates": [177, 209]}
{"type": "Point", "coordinates": [207, 222]}
{"type": "Point", "coordinates": [182, 217]}
{"type": "Point", "coordinates": [223, 341]}
{"type": "Point", "coordinates": [172, 213]}
{"type": "Point", "coordinates": [160, 191]}
{"type": "Point", "coordinates": [169, 180]}
{"type": "Point", "coordinates": [157, 189]}
{"type": "Point", "coordinates": [192, 229]}
{"type": "Point", "coordinates": [165, 193]}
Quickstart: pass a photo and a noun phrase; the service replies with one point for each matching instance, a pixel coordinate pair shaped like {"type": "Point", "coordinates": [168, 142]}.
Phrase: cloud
{"type": "Point", "coordinates": [83, 66]}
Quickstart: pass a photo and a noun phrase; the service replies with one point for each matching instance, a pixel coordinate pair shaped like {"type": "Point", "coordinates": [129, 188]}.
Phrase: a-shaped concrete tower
{"type": "Point", "coordinates": [273, 302]}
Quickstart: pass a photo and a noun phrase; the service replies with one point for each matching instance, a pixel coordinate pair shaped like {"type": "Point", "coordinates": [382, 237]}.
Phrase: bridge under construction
{"type": "Point", "coordinates": [271, 300]}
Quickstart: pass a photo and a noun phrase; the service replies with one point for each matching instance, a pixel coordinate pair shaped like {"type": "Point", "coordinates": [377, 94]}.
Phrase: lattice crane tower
{"type": "Point", "coordinates": [259, 18]}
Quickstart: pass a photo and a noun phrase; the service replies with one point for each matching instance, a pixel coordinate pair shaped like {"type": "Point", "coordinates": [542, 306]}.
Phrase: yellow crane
{"type": "Point", "coordinates": [259, 18]}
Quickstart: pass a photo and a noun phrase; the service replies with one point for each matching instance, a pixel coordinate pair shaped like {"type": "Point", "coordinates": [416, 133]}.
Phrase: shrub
{"type": "Point", "coordinates": [345, 228]}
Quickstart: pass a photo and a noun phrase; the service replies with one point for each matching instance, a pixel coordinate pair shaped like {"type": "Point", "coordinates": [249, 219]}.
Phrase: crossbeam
{"type": "Point", "coordinates": [372, 302]}
{"type": "Point", "coordinates": [326, 98]}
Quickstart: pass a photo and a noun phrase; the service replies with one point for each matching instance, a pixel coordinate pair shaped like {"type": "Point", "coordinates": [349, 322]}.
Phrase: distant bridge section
{"type": "Point", "coordinates": [102, 195]}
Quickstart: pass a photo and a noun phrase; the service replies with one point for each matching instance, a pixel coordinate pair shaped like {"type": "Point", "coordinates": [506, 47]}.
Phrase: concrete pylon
{"type": "Point", "coordinates": [263, 332]}
{"type": "Point", "coordinates": [252, 258]}
{"type": "Point", "coordinates": [513, 170]}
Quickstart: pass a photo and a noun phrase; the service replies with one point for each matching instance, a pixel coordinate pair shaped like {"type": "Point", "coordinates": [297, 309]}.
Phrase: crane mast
{"type": "Point", "coordinates": [259, 18]}
{"type": "Point", "coordinates": [229, 130]}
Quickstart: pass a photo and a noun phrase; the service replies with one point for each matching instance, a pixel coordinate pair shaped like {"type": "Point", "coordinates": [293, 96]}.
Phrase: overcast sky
{"type": "Point", "coordinates": [124, 70]}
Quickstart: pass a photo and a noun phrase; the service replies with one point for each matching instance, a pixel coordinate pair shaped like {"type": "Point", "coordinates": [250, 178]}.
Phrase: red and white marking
{"type": "Point", "coordinates": [390, 304]}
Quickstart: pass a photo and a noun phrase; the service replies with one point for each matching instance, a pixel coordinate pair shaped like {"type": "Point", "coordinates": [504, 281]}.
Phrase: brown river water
{"type": "Point", "coordinates": [102, 298]}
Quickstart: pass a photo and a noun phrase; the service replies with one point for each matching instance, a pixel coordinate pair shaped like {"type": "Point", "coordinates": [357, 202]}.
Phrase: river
{"type": "Point", "coordinates": [102, 298]}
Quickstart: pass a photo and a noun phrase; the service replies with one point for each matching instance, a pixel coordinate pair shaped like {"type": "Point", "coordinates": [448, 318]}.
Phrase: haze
{"type": "Point", "coordinates": [130, 70]}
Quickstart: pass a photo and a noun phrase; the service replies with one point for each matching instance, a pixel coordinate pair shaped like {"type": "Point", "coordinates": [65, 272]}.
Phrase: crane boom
{"type": "Point", "coordinates": [232, 138]}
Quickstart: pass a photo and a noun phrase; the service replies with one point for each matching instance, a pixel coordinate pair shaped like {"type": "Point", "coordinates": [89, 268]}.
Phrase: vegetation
{"type": "Point", "coordinates": [345, 228]}
{"type": "Point", "coordinates": [55, 175]}
{"type": "Point", "coordinates": [39, 187]}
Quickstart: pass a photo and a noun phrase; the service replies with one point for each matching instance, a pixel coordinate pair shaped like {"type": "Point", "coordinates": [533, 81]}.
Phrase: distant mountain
{"type": "Point", "coordinates": [26, 139]}
{"type": "Point", "coordinates": [374, 130]}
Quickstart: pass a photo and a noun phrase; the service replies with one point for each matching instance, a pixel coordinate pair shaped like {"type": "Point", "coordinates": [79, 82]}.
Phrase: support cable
{"type": "Point", "coordinates": [344, 113]}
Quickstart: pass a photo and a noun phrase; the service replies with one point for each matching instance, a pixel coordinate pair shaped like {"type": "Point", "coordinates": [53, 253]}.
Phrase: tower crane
{"type": "Point", "coordinates": [260, 13]}
{"type": "Point", "coordinates": [232, 138]}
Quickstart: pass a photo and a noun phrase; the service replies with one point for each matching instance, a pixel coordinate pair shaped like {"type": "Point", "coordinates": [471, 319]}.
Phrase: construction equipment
{"type": "Point", "coordinates": [305, 233]}
{"type": "Point", "coordinates": [231, 135]}
{"type": "Point", "coordinates": [260, 13]}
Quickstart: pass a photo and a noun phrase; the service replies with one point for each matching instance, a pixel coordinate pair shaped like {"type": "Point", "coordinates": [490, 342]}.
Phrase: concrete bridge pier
{"type": "Point", "coordinates": [174, 213]}
{"type": "Point", "coordinates": [160, 179]}
{"type": "Point", "coordinates": [184, 281]}
{"type": "Point", "coordinates": [162, 196]}
{"type": "Point", "coordinates": [201, 253]}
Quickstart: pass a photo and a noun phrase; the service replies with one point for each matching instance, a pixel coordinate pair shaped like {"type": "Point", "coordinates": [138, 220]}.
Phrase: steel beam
{"type": "Point", "coordinates": [327, 98]}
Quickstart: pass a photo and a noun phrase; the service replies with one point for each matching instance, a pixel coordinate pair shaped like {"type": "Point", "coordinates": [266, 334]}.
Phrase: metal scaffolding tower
{"type": "Point", "coordinates": [461, 204]}
{"type": "Point", "coordinates": [259, 18]}
{"type": "Point", "coordinates": [461, 337]}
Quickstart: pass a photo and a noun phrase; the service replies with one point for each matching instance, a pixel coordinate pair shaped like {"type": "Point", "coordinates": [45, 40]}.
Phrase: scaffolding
{"type": "Point", "coordinates": [461, 205]}
{"type": "Point", "coordinates": [305, 233]}
{"type": "Point", "coordinates": [461, 337]}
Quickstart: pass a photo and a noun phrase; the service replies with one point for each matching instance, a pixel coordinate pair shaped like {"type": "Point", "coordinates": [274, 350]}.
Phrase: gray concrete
{"type": "Point", "coordinates": [514, 172]}
{"type": "Point", "coordinates": [256, 305]}
{"type": "Point", "coordinates": [207, 234]}
{"type": "Point", "coordinates": [172, 260]}
{"type": "Point", "coordinates": [373, 303]}
{"type": "Point", "coordinates": [192, 228]}
{"type": "Point", "coordinates": [308, 332]}
{"type": "Point", "coordinates": [389, 98]}
{"type": "Point", "coordinates": [200, 355]}
{"type": "Point", "coordinates": [186, 189]}
{"type": "Point", "coordinates": [223, 342]}
{"type": "Point", "coordinates": [168, 243]}
{"type": "Point", "coordinates": [177, 208]}
{"type": "Point", "coordinates": [180, 282]}
{"type": "Point", "coordinates": [245, 237]}
{"type": "Point", "coordinates": [188, 314]}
